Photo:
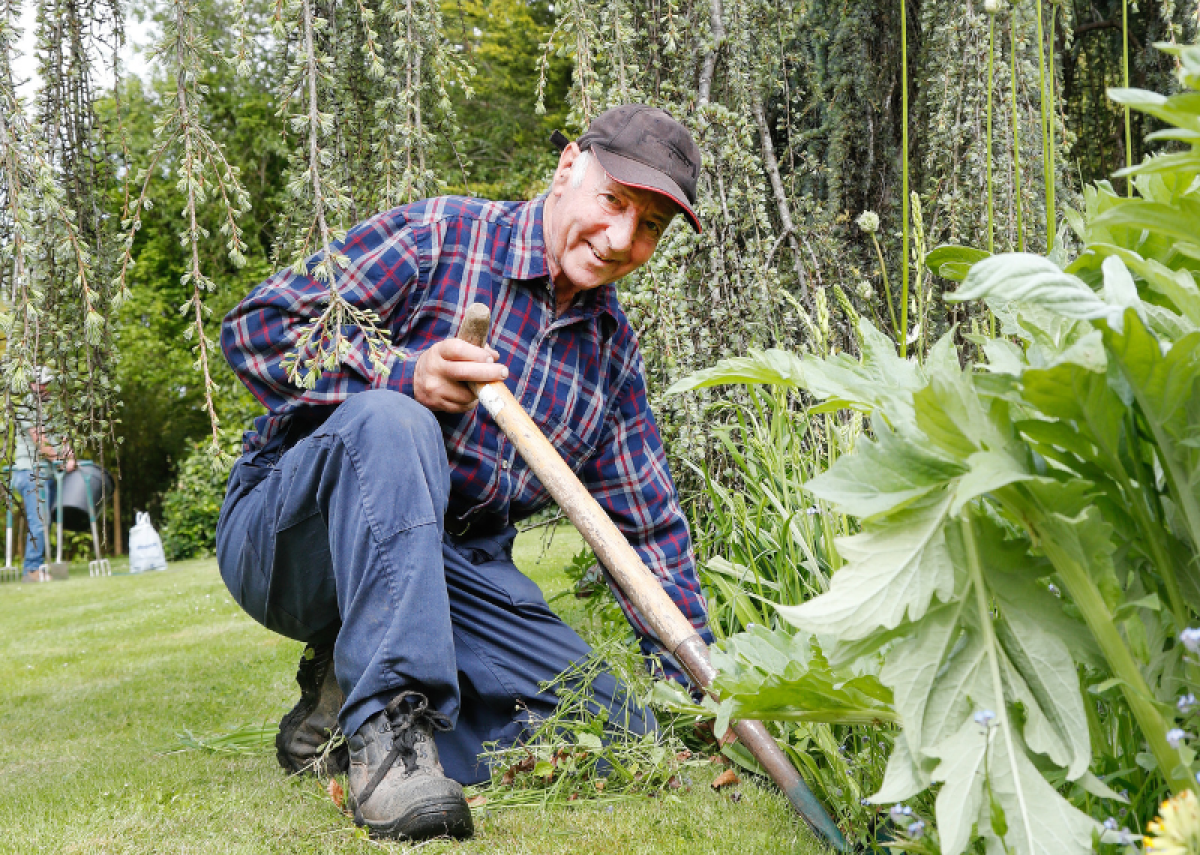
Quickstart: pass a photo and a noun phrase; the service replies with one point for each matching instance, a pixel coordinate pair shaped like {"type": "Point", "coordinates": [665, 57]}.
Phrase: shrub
{"type": "Point", "coordinates": [192, 505]}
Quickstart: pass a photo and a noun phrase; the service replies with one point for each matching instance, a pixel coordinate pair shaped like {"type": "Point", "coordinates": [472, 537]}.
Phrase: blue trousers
{"type": "Point", "coordinates": [24, 483]}
{"type": "Point", "coordinates": [340, 537]}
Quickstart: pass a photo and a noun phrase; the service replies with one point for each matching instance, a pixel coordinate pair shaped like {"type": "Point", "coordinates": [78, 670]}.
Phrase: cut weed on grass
{"type": "Point", "coordinates": [102, 676]}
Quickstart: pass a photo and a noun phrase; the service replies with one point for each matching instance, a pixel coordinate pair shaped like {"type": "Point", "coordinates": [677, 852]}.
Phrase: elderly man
{"type": "Point", "coordinates": [372, 516]}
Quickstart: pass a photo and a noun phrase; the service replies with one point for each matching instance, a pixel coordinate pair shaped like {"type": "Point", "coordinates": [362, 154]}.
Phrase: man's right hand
{"type": "Point", "coordinates": [443, 371]}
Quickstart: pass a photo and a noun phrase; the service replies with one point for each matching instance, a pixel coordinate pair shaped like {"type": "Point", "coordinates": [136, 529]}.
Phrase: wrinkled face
{"type": "Point", "coordinates": [601, 230]}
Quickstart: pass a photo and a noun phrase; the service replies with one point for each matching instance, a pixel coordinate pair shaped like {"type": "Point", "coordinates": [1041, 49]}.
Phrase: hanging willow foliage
{"type": "Point", "coordinates": [797, 108]}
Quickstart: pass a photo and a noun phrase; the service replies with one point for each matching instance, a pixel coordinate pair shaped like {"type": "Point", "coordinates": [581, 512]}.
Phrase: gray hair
{"type": "Point", "coordinates": [580, 167]}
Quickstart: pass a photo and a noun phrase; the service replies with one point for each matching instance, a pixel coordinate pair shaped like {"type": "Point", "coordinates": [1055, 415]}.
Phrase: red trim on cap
{"type": "Point", "coordinates": [686, 208]}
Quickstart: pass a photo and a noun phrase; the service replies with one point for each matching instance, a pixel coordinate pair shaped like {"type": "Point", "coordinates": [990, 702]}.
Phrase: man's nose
{"type": "Point", "coordinates": [621, 230]}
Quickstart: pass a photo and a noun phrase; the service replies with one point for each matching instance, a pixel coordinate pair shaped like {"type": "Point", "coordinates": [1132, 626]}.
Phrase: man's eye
{"type": "Point", "coordinates": [609, 198]}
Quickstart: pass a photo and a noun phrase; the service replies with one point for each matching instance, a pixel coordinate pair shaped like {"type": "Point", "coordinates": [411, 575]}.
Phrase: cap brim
{"type": "Point", "coordinates": [633, 173]}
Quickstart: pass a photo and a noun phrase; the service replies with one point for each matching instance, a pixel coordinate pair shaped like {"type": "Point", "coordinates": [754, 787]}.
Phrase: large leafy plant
{"type": "Point", "coordinates": [1029, 525]}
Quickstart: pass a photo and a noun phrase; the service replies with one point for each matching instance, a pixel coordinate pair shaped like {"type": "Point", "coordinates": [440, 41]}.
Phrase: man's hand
{"type": "Point", "coordinates": [443, 371]}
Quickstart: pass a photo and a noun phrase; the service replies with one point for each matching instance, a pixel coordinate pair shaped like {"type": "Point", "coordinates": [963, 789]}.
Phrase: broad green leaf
{"type": "Point", "coordinates": [892, 570]}
{"type": "Point", "coordinates": [1056, 722]}
{"type": "Point", "coordinates": [963, 772]}
{"type": "Point", "coordinates": [1164, 385]}
{"type": "Point", "coordinates": [1073, 394]}
{"type": "Point", "coordinates": [988, 471]}
{"type": "Point", "coordinates": [1017, 277]}
{"type": "Point", "coordinates": [768, 674]}
{"type": "Point", "coordinates": [1181, 110]}
{"type": "Point", "coordinates": [902, 779]}
{"type": "Point", "coordinates": [1119, 291]}
{"type": "Point", "coordinates": [882, 475]}
{"type": "Point", "coordinates": [1180, 221]}
{"type": "Point", "coordinates": [774, 367]}
{"type": "Point", "coordinates": [953, 262]}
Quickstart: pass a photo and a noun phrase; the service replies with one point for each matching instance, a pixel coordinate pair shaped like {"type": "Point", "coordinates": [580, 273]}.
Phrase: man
{"type": "Point", "coordinates": [33, 445]}
{"type": "Point", "coordinates": [375, 514]}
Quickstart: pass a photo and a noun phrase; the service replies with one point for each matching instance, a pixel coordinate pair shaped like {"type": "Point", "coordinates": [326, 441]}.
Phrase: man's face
{"type": "Point", "coordinates": [42, 390]}
{"type": "Point", "coordinates": [601, 230]}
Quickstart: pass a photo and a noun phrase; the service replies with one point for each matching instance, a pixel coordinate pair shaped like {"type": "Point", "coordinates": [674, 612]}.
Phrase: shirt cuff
{"type": "Point", "coordinates": [402, 369]}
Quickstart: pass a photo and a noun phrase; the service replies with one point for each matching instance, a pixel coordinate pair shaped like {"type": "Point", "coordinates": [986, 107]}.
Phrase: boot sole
{"type": "Point", "coordinates": [440, 817]}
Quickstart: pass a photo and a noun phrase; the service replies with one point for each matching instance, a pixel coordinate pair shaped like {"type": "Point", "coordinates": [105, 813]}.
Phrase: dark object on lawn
{"type": "Point", "coordinates": [632, 576]}
{"type": "Point", "coordinates": [309, 739]}
{"type": "Point", "coordinates": [86, 477]}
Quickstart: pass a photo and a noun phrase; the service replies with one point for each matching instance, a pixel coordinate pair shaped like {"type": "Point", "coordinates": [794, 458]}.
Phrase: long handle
{"type": "Point", "coordinates": [632, 576]}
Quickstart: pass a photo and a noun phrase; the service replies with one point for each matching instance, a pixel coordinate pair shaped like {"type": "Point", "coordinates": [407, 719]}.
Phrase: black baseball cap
{"type": "Point", "coordinates": [644, 147]}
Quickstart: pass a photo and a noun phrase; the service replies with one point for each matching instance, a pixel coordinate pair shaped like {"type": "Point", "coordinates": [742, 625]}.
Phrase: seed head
{"type": "Point", "coordinates": [868, 221]}
{"type": "Point", "coordinates": [991, 6]}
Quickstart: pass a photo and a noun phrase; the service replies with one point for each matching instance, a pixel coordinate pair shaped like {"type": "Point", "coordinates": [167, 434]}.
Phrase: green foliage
{"type": "Point", "coordinates": [192, 505]}
{"type": "Point", "coordinates": [1029, 527]}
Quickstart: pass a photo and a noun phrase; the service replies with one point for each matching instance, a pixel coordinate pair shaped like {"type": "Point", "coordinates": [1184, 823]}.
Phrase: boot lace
{"type": "Point", "coordinates": [409, 719]}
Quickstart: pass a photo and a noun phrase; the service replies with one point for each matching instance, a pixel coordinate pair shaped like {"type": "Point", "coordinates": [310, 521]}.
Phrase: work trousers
{"type": "Point", "coordinates": [340, 537]}
{"type": "Point", "coordinates": [27, 486]}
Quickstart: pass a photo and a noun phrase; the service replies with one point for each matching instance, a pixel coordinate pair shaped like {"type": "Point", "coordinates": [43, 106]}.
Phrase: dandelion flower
{"type": "Point", "coordinates": [1176, 830]}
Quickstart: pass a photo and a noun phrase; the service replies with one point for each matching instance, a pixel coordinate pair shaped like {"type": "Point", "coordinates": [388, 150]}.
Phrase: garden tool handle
{"type": "Point", "coordinates": [630, 574]}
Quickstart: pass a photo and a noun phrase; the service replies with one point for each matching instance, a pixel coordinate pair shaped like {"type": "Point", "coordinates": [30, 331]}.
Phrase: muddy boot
{"type": "Point", "coordinates": [309, 739]}
{"type": "Point", "coordinates": [397, 786]}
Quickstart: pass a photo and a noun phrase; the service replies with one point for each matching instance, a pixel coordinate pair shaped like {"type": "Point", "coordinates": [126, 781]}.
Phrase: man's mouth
{"type": "Point", "coordinates": [599, 257]}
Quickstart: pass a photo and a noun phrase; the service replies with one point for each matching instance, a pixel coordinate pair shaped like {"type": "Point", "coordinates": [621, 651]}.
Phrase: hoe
{"type": "Point", "coordinates": [633, 577]}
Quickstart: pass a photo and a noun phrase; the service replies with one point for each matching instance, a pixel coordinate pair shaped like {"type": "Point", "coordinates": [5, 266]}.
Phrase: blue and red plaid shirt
{"type": "Point", "coordinates": [579, 376]}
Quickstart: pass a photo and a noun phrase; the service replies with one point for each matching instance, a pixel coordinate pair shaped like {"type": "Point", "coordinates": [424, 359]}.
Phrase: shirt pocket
{"type": "Point", "coordinates": [574, 447]}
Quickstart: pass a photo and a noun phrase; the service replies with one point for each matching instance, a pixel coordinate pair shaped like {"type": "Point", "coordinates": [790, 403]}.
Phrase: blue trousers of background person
{"type": "Point", "coordinates": [339, 537]}
{"type": "Point", "coordinates": [24, 483]}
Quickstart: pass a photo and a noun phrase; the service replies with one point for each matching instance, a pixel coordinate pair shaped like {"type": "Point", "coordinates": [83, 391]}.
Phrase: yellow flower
{"type": "Point", "coordinates": [1176, 831]}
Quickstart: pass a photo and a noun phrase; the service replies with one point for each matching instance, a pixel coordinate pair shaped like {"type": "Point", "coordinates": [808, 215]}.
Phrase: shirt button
{"type": "Point", "coordinates": [505, 464]}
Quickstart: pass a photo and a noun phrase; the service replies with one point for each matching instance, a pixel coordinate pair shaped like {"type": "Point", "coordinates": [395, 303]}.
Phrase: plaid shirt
{"type": "Point", "coordinates": [578, 376]}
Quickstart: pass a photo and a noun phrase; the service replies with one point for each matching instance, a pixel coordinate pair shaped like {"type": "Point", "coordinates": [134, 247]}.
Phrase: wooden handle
{"type": "Point", "coordinates": [631, 574]}
{"type": "Point", "coordinates": [475, 325]}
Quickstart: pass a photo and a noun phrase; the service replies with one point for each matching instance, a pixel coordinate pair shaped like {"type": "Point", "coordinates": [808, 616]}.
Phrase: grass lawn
{"type": "Point", "coordinates": [99, 677]}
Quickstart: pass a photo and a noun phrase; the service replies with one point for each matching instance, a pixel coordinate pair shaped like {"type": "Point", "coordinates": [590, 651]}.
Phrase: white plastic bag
{"type": "Point", "coordinates": [145, 547]}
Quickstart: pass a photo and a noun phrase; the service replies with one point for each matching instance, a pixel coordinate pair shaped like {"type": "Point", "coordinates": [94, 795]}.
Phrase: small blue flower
{"type": "Point", "coordinates": [1053, 589]}
{"type": "Point", "coordinates": [1175, 736]}
{"type": "Point", "coordinates": [917, 829]}
{"type": "Point", "coordinates": [1191, 638]}
{"type": "Point", "coordinates": [899, 812]}
{"type": "Point", "coordinates": [1185, 703]}
{"type": "Point", "coordinates": [1124, 838]}
{"type": "Point", "coordinates": [985, 718]}
{"type": "Point", "coordinates": [1111, 823]}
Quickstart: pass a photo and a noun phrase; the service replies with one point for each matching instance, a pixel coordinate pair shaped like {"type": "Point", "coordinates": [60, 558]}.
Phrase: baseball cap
{"type": "Point", "coordinates": [42, 376]}
{"type": "Point", "coordinates": [644, 147]}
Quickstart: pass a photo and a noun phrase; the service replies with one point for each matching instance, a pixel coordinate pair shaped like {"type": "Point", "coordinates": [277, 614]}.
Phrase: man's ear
{"type": "Point", "coordinates": [566, 160]}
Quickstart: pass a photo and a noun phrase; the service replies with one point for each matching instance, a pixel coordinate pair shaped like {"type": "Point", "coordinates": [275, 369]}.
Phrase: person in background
{"type": "Point", "coordinates": [35, 444]}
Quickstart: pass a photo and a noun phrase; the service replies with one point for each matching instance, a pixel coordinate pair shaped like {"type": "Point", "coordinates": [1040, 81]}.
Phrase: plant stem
{"type": "Point", "coordinates": [1125, 83]}
{"type": "Point", "coordinates": [1087, 598]}
{"type": "Point", "coordinates": [1047, 157]}
{"type": "Point", "coordinates": [991, 644]}
{"type": "Point", "coordinates": [991, 83]}
{"type": "Point", "coordinates": [904, 178]}
{"type": "Point", "coordinates": [887, 286]}
{"type": "Point", "coordinates": [1016, 149]}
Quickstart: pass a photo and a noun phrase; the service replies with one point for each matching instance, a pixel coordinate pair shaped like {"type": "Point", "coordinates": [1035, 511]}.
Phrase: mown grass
{"type": "Point", "coordinates": [100, 676]}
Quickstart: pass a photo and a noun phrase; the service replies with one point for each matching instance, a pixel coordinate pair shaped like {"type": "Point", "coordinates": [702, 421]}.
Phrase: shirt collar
{"type": "Point", "coordinates": [526, 246]}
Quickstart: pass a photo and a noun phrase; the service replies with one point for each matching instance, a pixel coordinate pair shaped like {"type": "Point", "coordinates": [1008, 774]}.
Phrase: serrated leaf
{"type": "Point", "coordinates": [1017, 277]}
{"type": "Point", "coordinates": [962, 770]}
{"type": "Point", "coordinates": [892, 571]}
{"type": "Point", "coordinates": [773, 367]}
{"type": "Point", "coordinates": [882, 475]}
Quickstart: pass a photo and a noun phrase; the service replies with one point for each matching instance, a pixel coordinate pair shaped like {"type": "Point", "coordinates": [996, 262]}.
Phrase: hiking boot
{"type": "Point", "coordinates": [309, 739]}
{"type": "Point", "coordinates": [397, 786]}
